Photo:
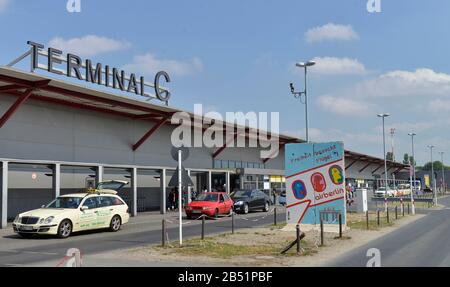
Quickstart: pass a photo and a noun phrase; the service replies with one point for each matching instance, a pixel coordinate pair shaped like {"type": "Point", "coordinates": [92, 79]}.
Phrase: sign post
{"type": "Point", "coordinates": [180, 179]}
{"type": "Point", "coordinates": [180, 194]}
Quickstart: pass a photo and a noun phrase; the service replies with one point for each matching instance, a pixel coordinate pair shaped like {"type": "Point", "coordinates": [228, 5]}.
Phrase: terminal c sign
{"type": "Point", "coordinates": [103, 75]}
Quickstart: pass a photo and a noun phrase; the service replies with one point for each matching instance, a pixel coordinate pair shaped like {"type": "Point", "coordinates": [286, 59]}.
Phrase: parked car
{"type": "Point", "coordinates": [282, 198]}
{"type": "Point", "coordinates": [211, 204]}
{"type": "Point", "coordinates": [247, 200]}
{"type": "Point", "coordinates": [381, 191]}
{"type": "Point", "coordinates": [96, 209]}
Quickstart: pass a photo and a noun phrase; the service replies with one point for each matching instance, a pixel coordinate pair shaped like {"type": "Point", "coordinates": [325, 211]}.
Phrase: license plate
{"type": "Point", "coordinates": [26, 228]}
{"type": "Point", "coordinates": [196, 211]}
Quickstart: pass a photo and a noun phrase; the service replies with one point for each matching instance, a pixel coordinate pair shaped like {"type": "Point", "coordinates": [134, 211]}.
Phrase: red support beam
{"type": "Point", "coordinates": [22, 98]}
{"type": "Point", "coordinates": [380, 166]}
{"type": "Point", "coordinates": [10, 112]}
{"type": "Point", "coordinates": [388, 169]}
{"type": "Point", "coordinates": [366, 166]}
{"type": "Point", "coordinates": [220, 150]}
{"type": "Point", "coordinates": [397, 170]}
{"type": "Point", "coordinates": [150, 132]}
{"type": "Point", "coordinates": [146, 116]}
{"type": "Point", "coordinates": [352, 163]}
{"type": "Point", "coordinates": [10, 88]}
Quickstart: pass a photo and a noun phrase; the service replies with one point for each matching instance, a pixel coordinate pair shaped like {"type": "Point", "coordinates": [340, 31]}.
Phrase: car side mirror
{"type": "Point", "coordinates": [84, 208]}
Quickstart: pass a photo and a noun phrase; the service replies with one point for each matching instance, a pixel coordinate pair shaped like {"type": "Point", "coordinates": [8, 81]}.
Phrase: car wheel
{"type": "Point", "coordinates": [216, 213]}
{"type": "Point", "coordinates": [64, 228]}
{"type": "Point", "coordinates": [245, 208]}
{"type": "Point", "coordinates": [188, 216]}
{"type": "Point", "coordinates": [26, 235]}
{"type": "Point", "coordinates": [266, 207]}
{"type": "Point", "coordinates": [115, 224]}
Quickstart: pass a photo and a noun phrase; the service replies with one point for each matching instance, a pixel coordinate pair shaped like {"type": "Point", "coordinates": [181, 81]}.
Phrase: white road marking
{"type": "Point", "coordinates": [39, 253]}
{"type": "Point", "coordinates": [29, 252]}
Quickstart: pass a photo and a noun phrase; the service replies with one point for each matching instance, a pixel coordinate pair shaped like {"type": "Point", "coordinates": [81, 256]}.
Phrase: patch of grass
{"type": "Point", "coordinates": [361, 224]}
{"type": "Point", "coordinates": [211, 248]}
{"type": "Point", "coordinates": [358, 220]}
{"type": "Point", "coordinates": [278, 226]}
{"type": "Point", "coordinates": [215, 248]}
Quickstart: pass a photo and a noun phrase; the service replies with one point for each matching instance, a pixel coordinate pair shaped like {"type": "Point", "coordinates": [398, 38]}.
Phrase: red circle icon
{"type": "Point", "coordinates": [318, 182]}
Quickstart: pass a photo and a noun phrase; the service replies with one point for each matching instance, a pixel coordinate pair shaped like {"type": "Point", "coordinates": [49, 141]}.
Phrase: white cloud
{"type": "Point", "coordinates": [150, 64]}
{"type": "Point", "coordinates": [338, 66]}
{"type": "Point", "coordinates": [416, 93]}
{"type": "Point", "coordinates": [330, 32]}
{"type": "Point", "coordinates": [88, 46]}
{"type": "Point", "coordinates": [343, 106]}
{"type": "Point", "coordinates": [421, 82]}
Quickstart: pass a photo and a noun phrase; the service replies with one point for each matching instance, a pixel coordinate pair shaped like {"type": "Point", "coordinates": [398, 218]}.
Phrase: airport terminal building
{"type": "Point", "coordinates": [61, 136]}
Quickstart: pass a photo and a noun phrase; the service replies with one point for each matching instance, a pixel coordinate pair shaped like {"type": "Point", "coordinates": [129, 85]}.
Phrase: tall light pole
{"type": "Point", "coordinates": [413, 174]}
{"type": "Point", "coordinates": [383, 116]}
{"type": "Point", "coordinates": [443, 173]}
{"type": "Point", "coordinates": [305, 93]}
{"type": "Point", "coordinates": [392, 143]}
{"type": "Point", "coordinates": [433, 180]}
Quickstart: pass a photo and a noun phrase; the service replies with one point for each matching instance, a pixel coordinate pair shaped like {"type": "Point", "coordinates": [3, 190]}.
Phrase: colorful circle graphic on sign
{"type": "Point", "coordinates": [318, 182]}
{"type": "Point", "coordinates": [336, 174]}
{"type": "Point", "coordinates": [299, 189]}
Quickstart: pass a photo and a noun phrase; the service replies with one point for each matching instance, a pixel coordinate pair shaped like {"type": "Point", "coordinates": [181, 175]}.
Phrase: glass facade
{"type": "Point", "coordinates": [224, 164]}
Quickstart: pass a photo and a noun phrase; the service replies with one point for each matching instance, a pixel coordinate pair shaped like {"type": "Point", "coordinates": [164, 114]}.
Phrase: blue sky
{"type": "Point", "coordinates": [240, 55]}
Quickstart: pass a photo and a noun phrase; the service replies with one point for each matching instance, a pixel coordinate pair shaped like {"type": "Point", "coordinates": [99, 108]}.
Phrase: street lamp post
{"type": "Point", "coordinates": [383, 116]}
{"type": "Point", "coordinates": [443, 172]}
{"type": "Point", "coordinates": [433, 180]}
{"type": "Point", "coordinates": [413, 174]}
{"type": "Point", "coordinates": [299, 94]}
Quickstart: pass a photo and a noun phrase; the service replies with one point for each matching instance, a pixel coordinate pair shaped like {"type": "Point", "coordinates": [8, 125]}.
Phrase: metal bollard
{"type": "Point", "coordinates": [408, 208]}
{"type": "Point", "coordinates": [203, 227]}
{"type": "Point", "coordinates": [321, 233]}
{"type": "Point", "coordinates": [378, 217]}
{"type": "Point", "coordinates": [340, 225]}
{"type": "Point", "coordinates": [232, 223]}
{"type": "Point", "coordinates": [163, 230]}
{"type": "Point", "coordinates": [298, 238]}
{"type": "Point", "coordinates": [396, 213]}
{"type": "Point", "coordinates": [367, 219]}
{"type": "Point", "coordinates": [387, 215]}
{"type": "Point", "coordinates": [275, 216]}
{"type": "Point", "coordinates": [403, 210]}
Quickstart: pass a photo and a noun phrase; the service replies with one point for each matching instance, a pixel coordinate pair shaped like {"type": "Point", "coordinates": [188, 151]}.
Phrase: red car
{"type": "Point", "coordinates": [211, 204]}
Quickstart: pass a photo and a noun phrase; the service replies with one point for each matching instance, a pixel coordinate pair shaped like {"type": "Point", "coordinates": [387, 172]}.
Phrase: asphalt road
{"type": "Point", "coordinates": [15, 251]}
{"type": "Point", "coordinates": [424, 243]}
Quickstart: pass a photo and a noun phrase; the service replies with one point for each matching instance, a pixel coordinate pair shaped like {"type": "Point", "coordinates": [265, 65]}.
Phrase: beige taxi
{"type": "Point", "coordinates": [98, 208]}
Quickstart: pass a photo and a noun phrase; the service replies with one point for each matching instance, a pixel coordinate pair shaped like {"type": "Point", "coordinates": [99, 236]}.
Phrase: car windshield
{"type": "Point", "coordinates": [65, 202]}
{"type": "Point", "coordinates": [206, 197]}
{"type": "Point", "coordinates": [243, 193]}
